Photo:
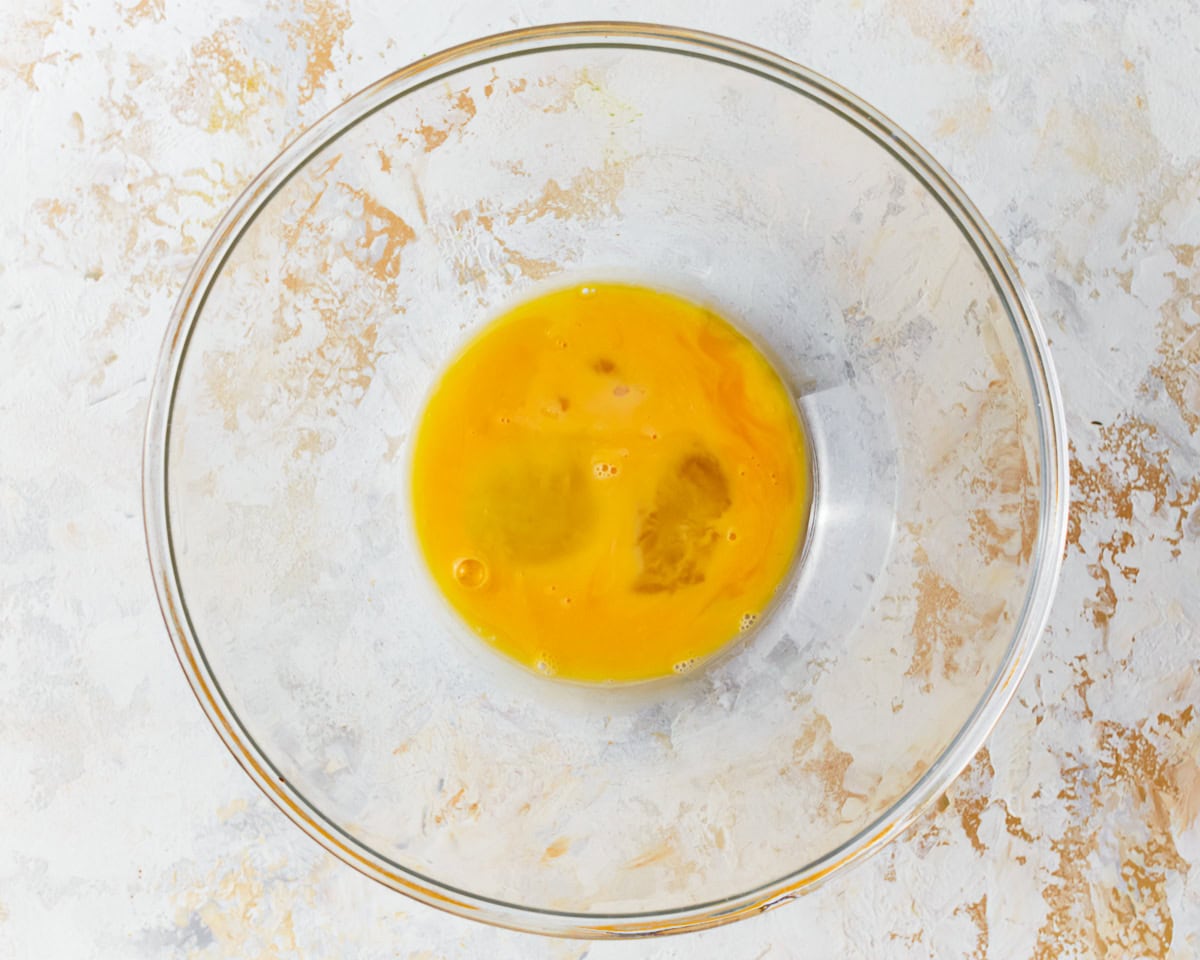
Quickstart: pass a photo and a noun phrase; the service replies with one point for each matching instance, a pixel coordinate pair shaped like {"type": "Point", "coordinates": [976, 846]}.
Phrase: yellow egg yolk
{"type": "Point", "coordinates": [609, 483]}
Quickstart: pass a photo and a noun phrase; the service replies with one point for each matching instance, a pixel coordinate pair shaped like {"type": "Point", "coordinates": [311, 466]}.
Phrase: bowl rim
{"type": "Point", "coordinates": [1054, 485]}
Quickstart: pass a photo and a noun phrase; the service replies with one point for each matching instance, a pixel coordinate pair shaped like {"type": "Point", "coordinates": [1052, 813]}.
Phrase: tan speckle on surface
{"type": "Point", "coordinates": [948, 29]}
{"type": "Point", "coordinates": [382, 224]}
{"type": "Point", "coordinates": [588, 194]}
{"type": "Point", "coordinates": [557, 848]}
{"type": "Point", "coordinates": [227, 88]}
{"type": "Point", "coordinates": [459, 109]}
{"type": "Point", "coordinates": [318, 29]}
{"type": "Point", "coordinates": [815, 753]}
{"type": "Point", "coordinates": [652, 856]}
{"type": "Point", "coordinates": [977, 912]}
{"type": "Point", "coordinates": [940, 627]}
{"type": "Point", "coordinates": [1178, 370]}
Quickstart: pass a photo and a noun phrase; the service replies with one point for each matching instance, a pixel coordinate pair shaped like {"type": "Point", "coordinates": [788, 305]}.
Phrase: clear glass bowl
{"type": "Point", "coordinates": [277, 504]}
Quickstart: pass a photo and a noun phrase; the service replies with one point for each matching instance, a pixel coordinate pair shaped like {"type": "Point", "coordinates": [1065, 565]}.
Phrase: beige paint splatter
{"type": "Point", "coordinates": [341, 366]}
{"type": "Point", "coordinates": [656, 854]}
{"type": "Point", "coordinates": [815, 753]}
{"type": "Point", "coordinates": [1103, 605]}
{"type": "Point", "coordinates": [338, 369]}
{"type": "Point", "coordinates": [222, 380]}
{"type": "Point", "coordinates": [1178, 369]}
{"type": "Point", "coordinates": [935, 626]}
{"type": "Point", "coordinates": [531, 267]}
{"type": "Point", "coordinates": [976, 912]}
{"type": "Point", "coordinates": [1135, 787]}
{"type": "Point", "coordinates": [1130, 460]}
{"type": "Point", "coordinates": [320, 30]}
{"type": "Point", "coordinates": [153, 10]}
{"type": "Point", "coordinates": [385, 234]}
{"type": "Point", "coordinates": [459, 110]}
{"type": "Point", "coordinates": [556, 849]}
{"type": "Point", "coordinates": [419, 193]}
{"type": "Point", "coordinates": [931, 627]}
{"type": "Point", "coordinates": [1086, 136]}
{"type": "Point", "coordinates": [312, 444]}
{"type": "Point", "coordinates": [297, 224]}
{"type": "Point", "coordinates": [1130, 468]}
{"type": "Point", "coordinates": [248, 911]}
{"type": "Point", "coordinates": [233, 809]}
{"type": "Point", "coordinates": [1007, 479]}
{"type": "Point", "coordinates": [948, 29]}
{"type": "Point", "coordinates": [968, 119]}
{"type": "Point", "coordinates": [1172, 201]}
{"type": "Point", "coordinates": [395, 444]}
{"type": "Point", "coordinates": [457, 808]}
{"type": "Point", "coordinates": [23, 44]}
{"type": "Point", "coordinates": [571, 91]}
{"type": "Point", "coordinates": [226, 87]}
{"type": "Point", "coordinates": [469, 259]}
{"type": "Point", "coordinates": [590, 193]}
{"type": "Point", "coordinates": [344, 363]}
{"type": "Point", "coordinates": [53, 211]}
{"type": "Point", "coordinates": [971, 798]}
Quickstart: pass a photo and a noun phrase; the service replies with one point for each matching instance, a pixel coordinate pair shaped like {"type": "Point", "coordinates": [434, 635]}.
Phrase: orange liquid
{"type": "Point", "coordinates": [610, 483]}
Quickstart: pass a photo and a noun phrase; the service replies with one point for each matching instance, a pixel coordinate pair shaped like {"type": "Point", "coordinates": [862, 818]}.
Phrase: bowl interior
{"type": "Point", "coordinates": [357, 268]}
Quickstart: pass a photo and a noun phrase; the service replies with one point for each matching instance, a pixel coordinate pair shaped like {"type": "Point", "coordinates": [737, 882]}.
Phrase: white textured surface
{"type": "Point", "coordinates": [128, 830]}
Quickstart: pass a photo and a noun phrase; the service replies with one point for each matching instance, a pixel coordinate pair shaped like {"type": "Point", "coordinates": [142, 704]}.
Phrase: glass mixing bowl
{"type": "Point", "coordinates": [277, 490]}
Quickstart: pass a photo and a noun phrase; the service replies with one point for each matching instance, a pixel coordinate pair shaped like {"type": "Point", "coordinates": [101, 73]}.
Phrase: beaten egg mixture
{"type": "Point", "coordinates": [609, 483]}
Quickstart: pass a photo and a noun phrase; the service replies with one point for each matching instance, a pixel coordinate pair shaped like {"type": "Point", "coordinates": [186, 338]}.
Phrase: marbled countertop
{"type": "Point", "coordinates": [126, 130]}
